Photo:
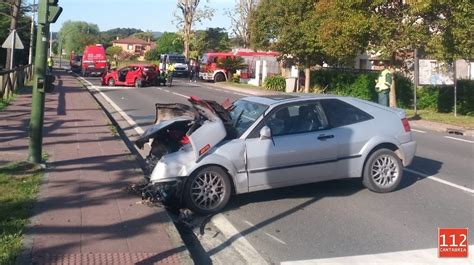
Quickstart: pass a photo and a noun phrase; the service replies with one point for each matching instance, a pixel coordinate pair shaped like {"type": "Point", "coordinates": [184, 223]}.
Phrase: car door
{"type": "Point", "coordinates": [132, 75]}
{"type": "Point", "coordinates": [302, 148]}
{"type": "Point", "coordinates": [352, 127]}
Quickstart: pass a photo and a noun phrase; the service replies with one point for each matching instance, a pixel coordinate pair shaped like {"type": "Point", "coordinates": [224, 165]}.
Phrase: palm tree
{"type": "Point", "coordinates": [231, 65]}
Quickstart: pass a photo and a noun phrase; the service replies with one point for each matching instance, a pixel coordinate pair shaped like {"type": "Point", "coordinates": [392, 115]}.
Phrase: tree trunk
{"type": "Point", "coordinates": [307, 79]}
{"type": "Point", "coordinates": [13, 25]}
{"type": "Point", "coordinates": [393, 93]}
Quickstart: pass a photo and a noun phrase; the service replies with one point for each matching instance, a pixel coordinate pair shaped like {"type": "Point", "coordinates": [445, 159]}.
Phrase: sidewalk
{"type": "Point", "coordinates": [84, 214]}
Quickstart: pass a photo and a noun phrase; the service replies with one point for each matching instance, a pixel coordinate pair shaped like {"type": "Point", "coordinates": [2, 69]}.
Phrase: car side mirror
{"type": "Point", "coordinates": [265, 133]}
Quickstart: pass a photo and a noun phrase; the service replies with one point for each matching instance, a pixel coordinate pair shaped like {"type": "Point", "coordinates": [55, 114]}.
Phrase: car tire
{"type": "Point", "coordinates": [383, 171]}
{"type": "Point", "coordinates": [219, 77]}
{"type": "Point", "coordinates": [207, 191]}
{"type": "Point", "coordinates": [138, 82]}
{"type": "Point", "coordinates": [111, 82]}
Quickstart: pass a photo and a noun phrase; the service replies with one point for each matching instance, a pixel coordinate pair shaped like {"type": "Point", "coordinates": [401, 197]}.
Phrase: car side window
{"type": "Point", "coordinates": [300, 118]}
{"type": "Point", "coordinates": [340, 113]}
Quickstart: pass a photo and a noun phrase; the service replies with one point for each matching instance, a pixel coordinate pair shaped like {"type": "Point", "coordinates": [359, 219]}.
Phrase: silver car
{"type": "Point", "coordinates": [202, 154]}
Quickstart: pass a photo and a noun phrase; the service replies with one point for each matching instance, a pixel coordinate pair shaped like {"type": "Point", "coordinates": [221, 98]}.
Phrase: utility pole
{"type": "Point", "coordinates": [48, 12]}
{"type": "Point", "coordinates": [32, 33]}
{"type": "Point", "coordinates": [13, 26]}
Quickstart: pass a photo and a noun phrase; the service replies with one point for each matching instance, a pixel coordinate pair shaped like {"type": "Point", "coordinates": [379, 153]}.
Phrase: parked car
{"type": "Point", "coordinates": [134, 75]}
{"type": "Point", "coordinates": [204, 153]}
{"type": "Point", "coordinates": [179, 62]}
{"type": "Point", "coordinates": [75, 62]}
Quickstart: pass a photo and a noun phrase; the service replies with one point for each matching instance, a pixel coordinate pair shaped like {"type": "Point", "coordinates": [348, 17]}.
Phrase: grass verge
{"type": "Point", "coordinates": [19, 184]}
{"type": "Point", "coordinates": [447, 118]}
{"type": "Point", "coordinates": [5, 102]}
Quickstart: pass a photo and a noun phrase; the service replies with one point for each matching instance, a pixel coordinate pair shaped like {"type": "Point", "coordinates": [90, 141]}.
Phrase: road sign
{"type": "Point", "coordinates": [9, 41]}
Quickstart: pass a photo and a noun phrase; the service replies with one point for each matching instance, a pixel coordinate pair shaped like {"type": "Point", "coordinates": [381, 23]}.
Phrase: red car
{"type": "Point", "coordinates": [133, 75]}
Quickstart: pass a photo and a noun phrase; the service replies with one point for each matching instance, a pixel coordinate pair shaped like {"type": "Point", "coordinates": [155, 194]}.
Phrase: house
{"type": "Point", "coordinates": [134, 46]}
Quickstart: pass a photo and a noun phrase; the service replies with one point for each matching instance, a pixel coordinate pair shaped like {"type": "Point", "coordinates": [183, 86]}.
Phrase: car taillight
{"type": "Point", "coordinates": [184, 140]}
{"type": "Point", "coordinates": [406, 125]}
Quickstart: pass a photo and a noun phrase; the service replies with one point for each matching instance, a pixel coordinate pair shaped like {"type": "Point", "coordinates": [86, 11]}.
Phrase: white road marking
{"type": "Point", "coordinates": [418, 131]}
{"type": "Point", "coordinates": [249, 223]}
{"type": "Point", "coordinates": [275, 238]}
{"type": "Point", "coordinates": [269, 235]}
{"type": "Point", "coordinates": [459, 139]}
{"type": "Point", "coordinates": [419, 256]}
{"type": "Point", "coordinates": [239, 242]}
{"type": "Point", "coordinates": [181, 95]}
{"type": "Point", "coordinates": [441, 181]}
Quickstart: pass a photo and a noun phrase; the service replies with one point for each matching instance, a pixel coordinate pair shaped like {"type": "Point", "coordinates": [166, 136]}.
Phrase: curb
{"type": "Point", "coordinates": [441, 127]}
{"type": "Point", "coordinates": [173, 234]}
{"type": "Point", "coordinates": [251, 91]}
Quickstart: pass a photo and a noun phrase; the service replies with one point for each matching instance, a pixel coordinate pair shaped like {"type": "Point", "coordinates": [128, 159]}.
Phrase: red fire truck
{"type": "Point", "coordinates": [210, 71]}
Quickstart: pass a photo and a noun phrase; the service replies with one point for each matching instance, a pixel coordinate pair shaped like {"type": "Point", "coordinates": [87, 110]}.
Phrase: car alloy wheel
{"type": "Point", "coordinates": [208, 190]}
{"type": "Point", "coordinates": [383, 171]}
{"type": "Point", "coordinates": [111, 82]}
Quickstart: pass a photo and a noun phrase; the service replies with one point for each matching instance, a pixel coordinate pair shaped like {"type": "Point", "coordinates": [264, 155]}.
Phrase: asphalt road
{"type": "Point", "coordinates": [339, 218]}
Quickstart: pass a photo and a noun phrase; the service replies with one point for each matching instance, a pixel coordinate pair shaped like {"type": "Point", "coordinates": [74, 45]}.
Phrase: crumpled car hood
{"type": "Point", "coordinates": [208, 127]}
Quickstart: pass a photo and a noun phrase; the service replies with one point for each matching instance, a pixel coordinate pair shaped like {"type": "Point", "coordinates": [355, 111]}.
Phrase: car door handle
{"type": "Point", "coordinates": [323, 137]}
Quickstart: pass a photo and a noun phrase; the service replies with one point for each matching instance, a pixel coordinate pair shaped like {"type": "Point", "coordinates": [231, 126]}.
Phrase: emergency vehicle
{"type": "Point", "coordinates": [210, 71]}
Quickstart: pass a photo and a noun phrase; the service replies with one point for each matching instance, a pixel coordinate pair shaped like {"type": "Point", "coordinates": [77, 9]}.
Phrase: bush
{"type": "Point", "coordinates": [360, 84]}
{"type": "Point", "coordinates": [276, 82]}
{"type": "Point", "coordinates": [236, 78]}
{"type": "Point", "coordinates": [152, 55]}
{"type": "Point", "coordinates": [466, 97]}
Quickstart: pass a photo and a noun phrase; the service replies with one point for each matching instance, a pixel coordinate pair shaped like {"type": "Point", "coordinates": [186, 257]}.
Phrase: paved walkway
{"type": "Point", "coordinates": [84, 214]}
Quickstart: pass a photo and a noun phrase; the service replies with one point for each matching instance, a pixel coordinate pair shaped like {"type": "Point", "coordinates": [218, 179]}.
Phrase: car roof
{"type": "Point", "coordinates": [285, 98]}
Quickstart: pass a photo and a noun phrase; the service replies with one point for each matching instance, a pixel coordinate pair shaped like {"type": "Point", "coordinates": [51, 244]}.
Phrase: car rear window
{"type": "Point", "coordinates": [340, 113]}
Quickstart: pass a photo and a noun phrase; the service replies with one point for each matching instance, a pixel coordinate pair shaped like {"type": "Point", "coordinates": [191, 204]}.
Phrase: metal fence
{"type": "Point", "coordinates": [11, 80]}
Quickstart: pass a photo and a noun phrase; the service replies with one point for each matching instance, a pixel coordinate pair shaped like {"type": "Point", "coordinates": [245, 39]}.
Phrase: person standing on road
{"type": "Point", "coordinates": [191, 70]}
{"type": "Point", "coordinates": [169, 73]}
{"type": "Point", "coordinates": [50, 64]}
{"type": "Point", "coordinates": [195, 70]}
{"type": "Point", "coordinates": [383, 84]}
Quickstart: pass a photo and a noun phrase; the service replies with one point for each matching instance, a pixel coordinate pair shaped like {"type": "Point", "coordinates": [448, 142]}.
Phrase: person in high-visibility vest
{"type": "Point", "coordinates": [50, 64]}
{"type": "Point", "coordinates": [383, 84]}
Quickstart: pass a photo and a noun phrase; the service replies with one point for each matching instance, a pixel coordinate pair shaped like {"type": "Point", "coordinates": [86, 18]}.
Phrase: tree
{"type": "Point", "coordinates": [231, 65]}
{"type": "Point", "coordinates": [169, 42]}
{"type": "Point", "coordinates": [152, 55]}
{"type": "Point", "coordinates": [289, 27]}
{"type": "Point", "coordinates": [76, 35]}
{"type": "Point", "coordinates": [21, 22]}
{"type": "Point", "coordinates": [187, 14]}
{"type": "Point", "coordinates": [450, 27]}
{"type": "Point", "coordinates": [211, 39]}
{"type": "Point", "coordinates": [240, 18]}
{"type": "Point", "coordinates": [114, 51]}
{"type": "Point", "coordinates": [146, 36]}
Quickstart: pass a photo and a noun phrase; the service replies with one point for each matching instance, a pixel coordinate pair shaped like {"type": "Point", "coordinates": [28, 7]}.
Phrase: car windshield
{"type": "Point", "coordinates": [244, 114]}
{"type": "Point", "coordinates": [177, 59]}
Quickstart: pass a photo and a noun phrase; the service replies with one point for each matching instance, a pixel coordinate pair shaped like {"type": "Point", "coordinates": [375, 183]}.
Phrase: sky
{"type": "Point", "coordinates": [147, 15]}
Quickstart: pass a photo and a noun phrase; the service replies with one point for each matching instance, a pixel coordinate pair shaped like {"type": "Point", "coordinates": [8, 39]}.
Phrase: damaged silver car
{"type": "Point", "coordinates": [202, 153]}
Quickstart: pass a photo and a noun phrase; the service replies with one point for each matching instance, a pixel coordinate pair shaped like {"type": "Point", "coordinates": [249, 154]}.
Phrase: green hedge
{"type": "Point", "coordinates": [441, 98]}
{"type": "Point", "coordinates": [358, 84]}
{"type": "Point", "coordinates": [276, 82]}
